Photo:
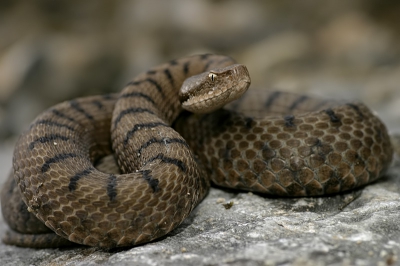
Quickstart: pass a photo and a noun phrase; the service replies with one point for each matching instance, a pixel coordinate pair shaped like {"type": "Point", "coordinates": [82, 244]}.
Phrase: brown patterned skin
{"type": "Point", "coordinates": [302, 147]}
{"type": "Point", "coordinates": [26, 229]}
{"type": "Point", "coordinates": [161, 181]}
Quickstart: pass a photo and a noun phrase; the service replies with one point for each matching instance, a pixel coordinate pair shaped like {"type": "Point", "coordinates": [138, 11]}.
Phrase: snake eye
{"type": "Point", "coordinates": [212, 76]}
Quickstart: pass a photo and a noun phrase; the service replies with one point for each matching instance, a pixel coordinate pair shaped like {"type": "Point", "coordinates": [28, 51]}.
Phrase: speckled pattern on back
{"type": "Point", "coordinates": [292, 151]}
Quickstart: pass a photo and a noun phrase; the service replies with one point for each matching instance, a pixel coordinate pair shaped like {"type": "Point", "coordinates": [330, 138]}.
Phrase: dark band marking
{"type": "Point", "coordinates": [52, 124]}
{"type": "Point", "coordinates": [73, 182]}
{"type": "Point", "coordinates": [98, 104]}
{"type": "Point", "coordinates": [47, 138]}
{"type": "Point", "coordinates": [153, 183]}
{"type": "Point", "coordinates": [186, 68]}
{"type": "Point", "coordinates": [60, 114]}
{"type": "Point", "coordinates": [173, 62]}
{"type": "Point", "coordinates": [77, 107]}
{"type": "Point", "coordinates": [162, 141]}
{"type": "Point", "coordinates": [158, 87]}
{"type": "Point", "coordinates": [204, 56]}
{"type": "Point", "coordinates": [318, 143]}
{"type": "Point", "coordinates": [112, 187]}
{"type": "Point", "coordinates": [271, 99]}
{"type": "Point", "coordinates": [138, 95]}
{"type": "Point", "coordinates": [297, 102]}
{"type": "Point", "coordinates": [227, 153]}
{"type": "Point", "coordinates": [109, 96]}
{"type": "Point", "coordinates": [56, 159]}
{"type": "Point", "coordinates": [249, 122]}
{"type": "Point", "coordinates": [379, 133]}
{"type": "Point", "coordinates": [130, 111]}
{"type": "Point", "coordinates": [150, 80]}
{"type": "Point", "coordinates": [169, 76]}
{"type": "Point", "coordinates": [34, 238]}
{"type": "Point", "coordinates": [135, 83]}
{"type": "Point", "coordinates": [332, 115]}
{"type": "Point", "coordinates": [181, 165]}
{"type": "Point", "coordinates": [151, 72]}
{"type": "Point", "coordinates": [22, 210]}
{"type": "Point", "coordinates": [141, 126]}
{"type": "Point", "coordinates": [289, 121]}
{"type": "Point", "coordinates": [206, 67]}
{"type": "Point", "coordinates": [356, 108]}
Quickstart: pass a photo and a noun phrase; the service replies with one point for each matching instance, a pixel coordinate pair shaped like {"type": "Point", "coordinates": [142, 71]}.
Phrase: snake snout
{"type": "Point", "coordinates": [242, 73]}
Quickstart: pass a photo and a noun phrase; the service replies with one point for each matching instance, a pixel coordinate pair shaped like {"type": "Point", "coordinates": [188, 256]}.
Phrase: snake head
{"type": "Point", "coordinates": [213, 89]}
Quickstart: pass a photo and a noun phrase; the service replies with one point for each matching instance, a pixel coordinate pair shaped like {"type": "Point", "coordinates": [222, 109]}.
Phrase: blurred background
{"type": "Point", "coordinates": [52, 51]}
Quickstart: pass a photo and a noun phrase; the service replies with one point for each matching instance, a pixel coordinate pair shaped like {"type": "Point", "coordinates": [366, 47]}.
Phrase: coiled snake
{"type": "Point", "coordinates": [301, 147]}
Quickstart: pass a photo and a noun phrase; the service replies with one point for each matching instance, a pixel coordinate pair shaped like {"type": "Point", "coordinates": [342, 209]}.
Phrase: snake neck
{"type": "Point", "coordinates": [149, 104]}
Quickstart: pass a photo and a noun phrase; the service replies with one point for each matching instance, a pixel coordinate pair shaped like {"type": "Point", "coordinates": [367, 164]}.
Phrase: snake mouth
{"type": "Point", "coordinates": [215, 98]}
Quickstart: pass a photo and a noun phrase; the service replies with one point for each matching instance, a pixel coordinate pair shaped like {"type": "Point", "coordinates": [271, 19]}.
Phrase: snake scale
{"type": "Point", "coordinates": [295, 146]}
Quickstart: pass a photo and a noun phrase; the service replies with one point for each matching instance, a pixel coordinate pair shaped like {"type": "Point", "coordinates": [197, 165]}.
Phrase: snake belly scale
{"type": "Point", "coordinates": [303, 147]}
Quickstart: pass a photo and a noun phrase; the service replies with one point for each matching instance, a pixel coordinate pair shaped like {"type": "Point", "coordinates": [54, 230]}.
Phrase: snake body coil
{"type": "Point", "coordinates": [303, 147]}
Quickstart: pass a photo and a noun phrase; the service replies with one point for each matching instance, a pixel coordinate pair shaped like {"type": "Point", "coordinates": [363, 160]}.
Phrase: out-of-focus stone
{"type": "Point", "coordinates": [354, 39]}
{"type": "Point", "coordinates": [280, 49]}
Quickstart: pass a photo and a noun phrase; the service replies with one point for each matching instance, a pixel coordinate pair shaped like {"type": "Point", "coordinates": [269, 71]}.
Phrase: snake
{"type": "Point", "coordinates": [270, 142]}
